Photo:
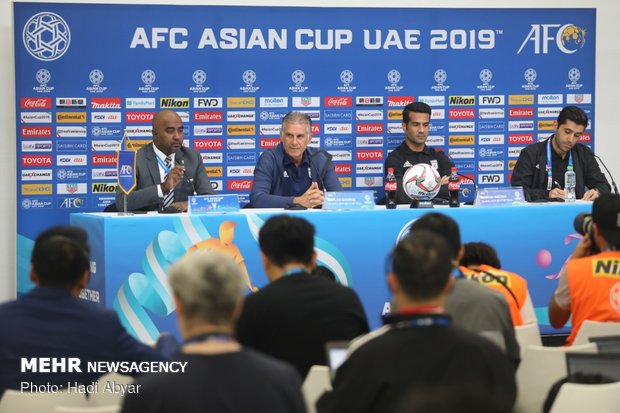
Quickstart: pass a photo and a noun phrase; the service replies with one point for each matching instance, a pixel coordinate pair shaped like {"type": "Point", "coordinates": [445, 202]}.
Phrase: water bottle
{"type": "Point", "coordinates": [390, 189]}
{"type": "Point", "coordinates": [454, 186]}
{"type": "Point", "coordinates": [570, 182]}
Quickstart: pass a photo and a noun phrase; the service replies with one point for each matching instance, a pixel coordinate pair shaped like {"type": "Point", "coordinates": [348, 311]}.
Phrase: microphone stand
{"type": "Point", "coordinates": [613, 183]}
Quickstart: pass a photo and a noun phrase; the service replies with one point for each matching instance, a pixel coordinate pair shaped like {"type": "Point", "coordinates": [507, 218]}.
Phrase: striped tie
{"type": "Point", "coordinates": [169, 197]}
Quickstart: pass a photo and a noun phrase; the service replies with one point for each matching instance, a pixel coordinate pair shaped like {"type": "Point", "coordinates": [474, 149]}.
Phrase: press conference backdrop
{"type": "Point", "coordinates": [495, 78]}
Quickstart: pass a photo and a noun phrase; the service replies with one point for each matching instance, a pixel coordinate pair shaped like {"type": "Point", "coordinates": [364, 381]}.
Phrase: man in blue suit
{"type": "Point", "coordinates": [52, 322]}
{"type": "Point", "coordinates": [165, 166]}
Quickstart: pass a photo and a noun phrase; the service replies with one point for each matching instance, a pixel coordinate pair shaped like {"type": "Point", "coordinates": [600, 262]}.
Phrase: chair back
{"type": "Point", "coordinates": [14, 401]}
{"type": "Point", "coordinates": [539, 369]}
{"type": "Point", "coordinates": [528, 335]}
{"type": "Point", "coordinates": [316, 383]}
{"type": "Point", "coordinates": [96, 409]}
{"type": "Point", "coordinates": [591, 398]}
{"type": "Point", "coordinates": [591, 328]}
{"type": "Point", "coordinates": [108, 398]}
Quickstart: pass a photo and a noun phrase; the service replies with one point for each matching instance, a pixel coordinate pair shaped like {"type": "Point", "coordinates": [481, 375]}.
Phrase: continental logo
{"type": "Point", "coordinates": [214, 171]}
{"type": "Point", "coordinates": [520, 99]}
{"type": "Point", "coordinates": [241, 130]}
{"type": "Point", "coordinates": [36, 189]}
{"type": "Point", "coordinates": [604, 267]}
{"type": "Point", "coordinates": [395, 114]}
{"type": "Point", "coordinates": [462, 101]}
{"type": "Point", "coordinates": [241, 102]}
{"type": "Point", "coordinates": [104, 188]}
{"type": "Point", "coordinates": [511, 164]}
{"type": "Point", "coordinates": [462, 140]}
{"type": "Point", "coordinates": [346, 182]}
{"type": "Point", "coordinates": [71, 117]}
{"type": "Point", "coordinates": [174, 103]}
{"type": "Point", "coordinates": [545, 125]}
{"type": "Point", "coordinates": [134, 145]}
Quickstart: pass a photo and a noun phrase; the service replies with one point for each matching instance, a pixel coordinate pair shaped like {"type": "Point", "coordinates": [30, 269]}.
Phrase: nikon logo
{"type": "Point", "coordinates": [104, 188]}
{"type": "Point", "coordinates": [174, 102]}
{"type": "Point", "coordinates": [462, 100]}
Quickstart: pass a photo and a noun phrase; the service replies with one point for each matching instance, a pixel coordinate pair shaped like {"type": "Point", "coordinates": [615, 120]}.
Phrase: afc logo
{"type": "Point", "coordinates": [126, 170]}
{"type": "Point", "coordinates": [568, 38]}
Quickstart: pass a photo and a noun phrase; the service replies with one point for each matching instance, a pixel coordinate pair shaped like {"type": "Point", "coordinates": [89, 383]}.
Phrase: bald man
{"type": "Point", "coordinates": [166, 167]}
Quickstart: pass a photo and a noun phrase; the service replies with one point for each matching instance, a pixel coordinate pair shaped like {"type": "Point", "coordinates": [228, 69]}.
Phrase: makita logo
{"type": "Point", "coordinates": [344, 169]}
{"type": "Point", "coordinates": [367, 155]}
{"type": "Point", "coordinates": [525, 138]}
{"type": "Point", "coordinates": [174, 102]}
{"type": "Point", "coordinates": [104, 159]}
{"type": "Point", "coordinates": [369, 128]}
{"type": "Point", "coordinates": [208, 102]}
{"type": "Point", "coordinates": [462, 100]}
{"type": "Point", "coordinates": [208, 144]}
{"type": "Point", "coordinates": [268, 143]}
{"type": "Point", "coordinates": [36, 103]}
{"type": "Point", "coordinates": [489, 100]}
{"type": "Point", "coordinates": [105, 103]}
{"type": "Point", "coordinates": [369, 101]}
{"type": "Point", "coordinates": [399, 101]}
{"type": "Point", "coordinates": [466, 179]}
{"type": "Point", "coordinates": [36, 131]}
{"type": "Point", "coordinates": [521, 113]}
{"type": "Point", "coordinates": [135, 117]}
{"type": "Point", "coordinates": [104, 188]}
{"type": "Point", "coordinates": [461, 114]}
{"type": "Point", "coordinates": [240, 185]}
{"type": "Point", "coordinates": [338, 101]}
{"type": "Point", "coordinates": [215, 116]}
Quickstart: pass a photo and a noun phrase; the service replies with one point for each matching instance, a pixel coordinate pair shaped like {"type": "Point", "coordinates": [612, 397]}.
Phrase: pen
{"type": "Point", "coordinates": [557, 185]}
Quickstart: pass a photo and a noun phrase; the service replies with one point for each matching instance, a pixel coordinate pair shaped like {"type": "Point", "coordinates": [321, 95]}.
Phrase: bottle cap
{"type": "Point", "coordinates": [390, 170]}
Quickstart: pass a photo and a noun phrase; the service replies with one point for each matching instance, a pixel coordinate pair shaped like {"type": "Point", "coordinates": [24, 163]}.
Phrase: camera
{"type": "Point", "coordinates": [583, 223]}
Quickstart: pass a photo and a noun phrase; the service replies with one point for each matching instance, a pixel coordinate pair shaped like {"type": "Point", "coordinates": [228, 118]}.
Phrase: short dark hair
{"type": "Point", "coordinates": [60, 256]}
{"type": "Point", "coordinates": [285, 239]}
{"type": "Point", "coordinates": [417, 107]}
{"type": "Point", "coordinates": [421, 263]}
{"type": "Point", "coordinates": [442, 225]}
{"type": "Point", "coordinates": [573, 113]}
{"type": "Point", "coordinates": [479, 253]}
{"type": "Point", "coordinates": [323, 271]}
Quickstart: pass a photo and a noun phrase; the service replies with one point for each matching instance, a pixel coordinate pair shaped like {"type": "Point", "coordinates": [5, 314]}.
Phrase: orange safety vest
{"type": "Point", "coordinates": [594, 287]}
{"type": "Point", "coordinates": [516, 284]}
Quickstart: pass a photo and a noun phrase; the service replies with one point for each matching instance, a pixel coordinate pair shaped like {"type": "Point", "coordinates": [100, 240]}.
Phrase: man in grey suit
{"type": "Point", "coordinates": [185, 174]}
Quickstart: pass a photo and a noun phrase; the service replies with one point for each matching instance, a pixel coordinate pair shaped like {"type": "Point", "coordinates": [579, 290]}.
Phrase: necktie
{"type": "Point", "coordinates": [169, 197]}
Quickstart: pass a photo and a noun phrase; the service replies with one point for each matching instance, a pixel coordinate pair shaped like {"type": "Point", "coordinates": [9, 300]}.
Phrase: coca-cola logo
{"type": "Point", "coordinates": [375, 155]}
{"type": "Point", "coordinates": [36, 103]}
{"type": "Point", "coordinates": [139, 116]}
{"type": "Point", "coordinates": [399, 101]}
{"type": "Point", "coordinates": [344, 169]}
{"type": "Point", "coordinates": [338, 101]}
{"type": "Point", "coordinates": [240, 185]}
{"type": "Point", "coordinates": [45, 160]}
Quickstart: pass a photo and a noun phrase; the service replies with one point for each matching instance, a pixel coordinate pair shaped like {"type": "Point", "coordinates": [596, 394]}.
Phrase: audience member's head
{"type": "Point", "coordinates": [444, 226]}
{"type": "Point", "coordinates": [208, 288]}
{"type": "Point", "coordinates": [480, 253]}
{"type": "Point", "coordinates": [61, 258]}
{"type": "Point", "coordinates": [323, 271]}
{"type": "Point", "coordinates": [421, 266]}
{"type": "Point", "coordinates": [606, 216]}
{"type": "Point", "coordinates": [286, 240]}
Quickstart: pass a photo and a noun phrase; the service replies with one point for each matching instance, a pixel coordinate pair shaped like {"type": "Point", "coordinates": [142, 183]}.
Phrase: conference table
{"type": "Point", "coordinates": [131, 254]}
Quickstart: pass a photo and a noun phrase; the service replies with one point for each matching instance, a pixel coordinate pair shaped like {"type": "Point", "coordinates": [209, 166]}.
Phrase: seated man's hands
{"type": "Point", "coordinates": [557, 193]}
{"type": "Point", "coordinates": [311, 198]}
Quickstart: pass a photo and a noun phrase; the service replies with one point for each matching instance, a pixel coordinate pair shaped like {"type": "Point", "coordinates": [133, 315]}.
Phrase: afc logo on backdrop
{"type": "Point", "coordinates": [567, 38]}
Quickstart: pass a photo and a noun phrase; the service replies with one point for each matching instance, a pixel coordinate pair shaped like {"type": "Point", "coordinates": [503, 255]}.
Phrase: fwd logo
{"type": "Point", "coordinates": [490, 178]}
{"type": "Point", "coordinates": [488, 100]}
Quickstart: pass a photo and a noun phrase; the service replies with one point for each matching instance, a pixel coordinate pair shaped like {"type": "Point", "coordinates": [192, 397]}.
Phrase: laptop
{"type": "Point", "coordinates": [607, 344]}
{"type": "Point", "coordinates": [607, 365]}
{"type": "Point", "coordinates": [336, 352]}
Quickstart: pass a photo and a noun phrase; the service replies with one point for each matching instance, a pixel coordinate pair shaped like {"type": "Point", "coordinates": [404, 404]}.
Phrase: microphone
{"type": "Point", "coordinates": [473, 181]}
{"type": "Point", "coordinates": [321, 172]}
{"type": "Point", "coordinates": [613, 183]}
{"type": "Point", "coordinates": [181, 162]}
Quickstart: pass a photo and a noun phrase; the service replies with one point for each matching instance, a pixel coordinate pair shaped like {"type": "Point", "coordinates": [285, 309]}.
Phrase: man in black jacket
{"type": "Point", "coordinates": [541, 166]}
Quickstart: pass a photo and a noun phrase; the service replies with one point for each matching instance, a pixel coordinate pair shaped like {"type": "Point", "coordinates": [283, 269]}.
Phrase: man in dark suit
{"type": "Point", "coordinates": [165, 166]}
{"type": "Point", "coordinates": [51, 321]}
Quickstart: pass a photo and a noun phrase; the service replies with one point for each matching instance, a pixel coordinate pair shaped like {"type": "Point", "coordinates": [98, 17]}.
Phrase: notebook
{"type": "Point", "coordinates": [607, 365]}
{"type": "Point", "coordinates": [336, 352]}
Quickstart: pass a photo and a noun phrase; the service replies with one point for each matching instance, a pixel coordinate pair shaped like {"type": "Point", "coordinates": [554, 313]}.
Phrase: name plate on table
{"type": "Point", "coordinates": [349, 200]}
{"type": "Point", "coordinates": [202, 204]}
{"type": "Point", "coordinates": [500, 196]}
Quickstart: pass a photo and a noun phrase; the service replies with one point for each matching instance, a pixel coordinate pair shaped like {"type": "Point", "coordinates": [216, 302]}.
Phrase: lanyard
{"type": "Point", "coordinates": [427, 320]}
{"type": "Point", "coordinates": [294, 270]}
{"type": "Point", "coordinates": [210, 336]}
{"type": "Point", "coordinates": [163, 165]}
{"type": "Point", "coordinates": [549, 167]}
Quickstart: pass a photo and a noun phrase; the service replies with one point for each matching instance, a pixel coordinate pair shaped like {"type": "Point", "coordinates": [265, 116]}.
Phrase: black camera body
{"type": "Point", "coordinates": [583, 224]}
